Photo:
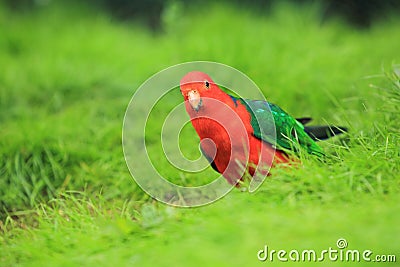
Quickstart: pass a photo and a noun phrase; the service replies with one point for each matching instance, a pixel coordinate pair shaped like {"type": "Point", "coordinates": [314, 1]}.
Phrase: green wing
{"type": "Point", "coordinates": [273, 125]}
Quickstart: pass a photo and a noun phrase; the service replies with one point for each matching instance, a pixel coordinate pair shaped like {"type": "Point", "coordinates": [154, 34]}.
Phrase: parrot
{"type": "Point", "coordinates": [239, 136]}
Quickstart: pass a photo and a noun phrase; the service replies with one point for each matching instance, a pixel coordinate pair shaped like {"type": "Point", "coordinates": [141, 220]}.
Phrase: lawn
{"type": "Point", "coordinates": [67, 198]}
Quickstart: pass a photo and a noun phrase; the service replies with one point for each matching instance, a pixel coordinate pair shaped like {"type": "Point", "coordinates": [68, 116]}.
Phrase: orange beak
{"type": "Point", "coordinates": [194, 99]}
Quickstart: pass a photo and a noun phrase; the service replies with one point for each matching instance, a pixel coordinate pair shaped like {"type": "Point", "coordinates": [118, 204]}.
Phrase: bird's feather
{"type": "Point", "coordinates": [322, 132]}
{"type": "Point", "coordinates": [304, 120]}
{"type": "Point", "coordinates": [209, 159]}
{"type": "Point", "coordinates": [274, 126]}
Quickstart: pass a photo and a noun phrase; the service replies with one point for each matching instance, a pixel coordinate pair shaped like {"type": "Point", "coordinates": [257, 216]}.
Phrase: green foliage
{"type": "Point", "coordinates": [66, 196]}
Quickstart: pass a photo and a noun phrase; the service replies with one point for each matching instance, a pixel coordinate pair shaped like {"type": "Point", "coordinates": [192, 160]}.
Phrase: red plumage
{"type": "Point", "coordinates": [225, 130]}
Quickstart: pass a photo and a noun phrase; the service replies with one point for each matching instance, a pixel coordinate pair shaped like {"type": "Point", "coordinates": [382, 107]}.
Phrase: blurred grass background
{"type": "Point", "coordinates": [69, 69]}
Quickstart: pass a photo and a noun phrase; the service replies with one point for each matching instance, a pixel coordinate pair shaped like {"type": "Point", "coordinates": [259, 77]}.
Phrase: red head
{"type": "Point", "coordinates": [196, 85]}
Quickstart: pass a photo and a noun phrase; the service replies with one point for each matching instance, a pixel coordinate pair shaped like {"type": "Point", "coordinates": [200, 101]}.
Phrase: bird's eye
{"type": "Point", "coordinates": [207, 84]}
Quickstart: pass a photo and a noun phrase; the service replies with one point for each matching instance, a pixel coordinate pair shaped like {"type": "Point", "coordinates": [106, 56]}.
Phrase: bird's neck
{"type": "Point", "coordinates": [217, 114]}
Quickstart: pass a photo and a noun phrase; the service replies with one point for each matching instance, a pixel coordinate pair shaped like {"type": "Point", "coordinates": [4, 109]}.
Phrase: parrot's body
{"type": "Point", "coordinates": [239, 135]}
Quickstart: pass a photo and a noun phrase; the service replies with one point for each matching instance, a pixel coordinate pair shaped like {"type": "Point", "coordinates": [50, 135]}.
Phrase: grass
{"type": "Point", "coordinates": [66, 196]}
